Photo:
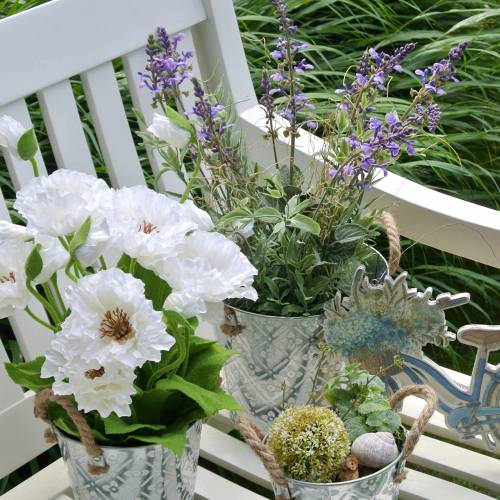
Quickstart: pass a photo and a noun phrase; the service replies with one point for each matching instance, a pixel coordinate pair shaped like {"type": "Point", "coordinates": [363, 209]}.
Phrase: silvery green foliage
{"type": "Point", "coordinates": [388, 316]}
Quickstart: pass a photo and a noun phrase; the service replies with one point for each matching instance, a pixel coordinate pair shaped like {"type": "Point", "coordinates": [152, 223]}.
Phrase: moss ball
{"type": "Point", "coordinates": [310, 443]}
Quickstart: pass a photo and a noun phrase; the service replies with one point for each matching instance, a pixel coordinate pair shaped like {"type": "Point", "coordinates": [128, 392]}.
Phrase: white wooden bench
{"type": "Point", "coordinates": [40, 50]}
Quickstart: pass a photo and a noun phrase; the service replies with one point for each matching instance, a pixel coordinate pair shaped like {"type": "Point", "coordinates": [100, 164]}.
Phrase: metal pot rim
{"type": "Point", "coordinates": [396, 462]}
{"type": "Point", "coordinates": [67, 437]}
{"type": "Point", "coordinates": [292, 318]}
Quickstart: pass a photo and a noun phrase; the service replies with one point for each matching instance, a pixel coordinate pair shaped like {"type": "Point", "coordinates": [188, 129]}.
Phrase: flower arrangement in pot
{"type": "Point", "coordinates": [125, 382]}
{"type": "Point", "coordinates": [305, 232]}
{"type": "Point", "coordinates": [356, 448]}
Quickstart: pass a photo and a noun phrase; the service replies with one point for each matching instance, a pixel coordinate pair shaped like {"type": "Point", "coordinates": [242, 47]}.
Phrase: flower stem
{"type": "Point", "coordinates": [54, 315]}
{"type": "Point", "coordinates": [34, 164]}
{"type": "Point", "coordinates": [33, 316]}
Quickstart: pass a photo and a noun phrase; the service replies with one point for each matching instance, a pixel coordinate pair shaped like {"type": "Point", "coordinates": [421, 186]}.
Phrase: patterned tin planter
{"type": "Point", "coordinates": [379, 485]}
{"type": "Point", "coordinates": [272, 351]}
{"type": "Point", "coordinates": [148, 472]}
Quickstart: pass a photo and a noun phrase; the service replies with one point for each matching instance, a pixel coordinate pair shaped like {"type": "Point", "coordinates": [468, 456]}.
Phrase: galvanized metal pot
{"type": "Point", "coordinates": [272, 351]}
{"type": "Point", "coordinates": [148, 472]}
{"type": "Point", "coordinates": [380, 486]}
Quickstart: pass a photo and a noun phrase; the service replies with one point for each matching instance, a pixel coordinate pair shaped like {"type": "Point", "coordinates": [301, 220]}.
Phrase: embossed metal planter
{"type": "Point", "coordinates": [380, 485]}
{"type": "Point", "coordinates": [148, 472]}
{"type": "Point", "coordinates": [272, 350]}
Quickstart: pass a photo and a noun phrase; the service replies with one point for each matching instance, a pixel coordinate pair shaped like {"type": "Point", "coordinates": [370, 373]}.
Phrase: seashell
{"type": "Point", "coordinates": [375, 449]}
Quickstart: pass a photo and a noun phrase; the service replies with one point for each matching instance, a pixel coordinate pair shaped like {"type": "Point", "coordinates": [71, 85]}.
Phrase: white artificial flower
{"type": "Point", "coordinates": [244, 227]}
{"type": "Point", "coordinates": [95, 387]}
{"type": "Point", "coordinates": [98, 240]}
{"type": "Point", "coordinates": [210, 268]}
{"type": "Point", "coordinates": [163, 128]}
{"type": "Point", "coordinates": [10, 133]}
{"type": "Point", "coordinates": [147, 225]}
{"type": "Point", "coordinates": [197, 216]}
{"type": "Point", "coordinates": [13, 231]}
{"type": "Point", "coordinates": [59, 204]}
{"type": "Point", "coordinates": [13, 292]}
{"type": "Point", "coordinates": [54, 256]}
{"type": "Point", "coordinates": [111, 320]}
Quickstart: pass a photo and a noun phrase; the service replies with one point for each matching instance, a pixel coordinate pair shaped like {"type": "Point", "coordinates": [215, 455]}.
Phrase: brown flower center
{"type": "Point", "coordinates": [6, 278]}
{"type": "Point", "coordinates": [92, 374]}
{"type": "Point", "coordinates": [116, 324]}
{"type": "Point", "coordinates": [147, 227]}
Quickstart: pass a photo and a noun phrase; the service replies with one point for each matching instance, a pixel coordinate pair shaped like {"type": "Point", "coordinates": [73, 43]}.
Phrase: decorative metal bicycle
{"type": "Point", "coordinates": [381, 320]}
{"type": "Point", "coordinates": [472, 410]}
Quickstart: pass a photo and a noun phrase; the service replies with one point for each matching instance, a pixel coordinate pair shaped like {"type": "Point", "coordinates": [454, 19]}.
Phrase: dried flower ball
{"type": "Point", "coordinates": [310, 443]}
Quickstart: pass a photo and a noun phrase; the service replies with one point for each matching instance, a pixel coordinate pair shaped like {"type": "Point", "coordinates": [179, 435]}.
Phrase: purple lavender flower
{"type": "Point", "coordinates": [209, 114]}
{"type": "Point", "coordinates": [433, 116]}
{"type": "Point", "coordinates": [433, 77]}
{"type": "Point", "coordinates": [166, 67]}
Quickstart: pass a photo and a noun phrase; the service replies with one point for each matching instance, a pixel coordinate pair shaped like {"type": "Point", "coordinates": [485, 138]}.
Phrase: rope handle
{"type": "Point", "coordinates": [417, 428]}
{"type": "Point", "coordinates": [254, 437]}
{"type": "Point", "coordinates": [97, 465]}
{"type": "Point", "coordinates": [391, 228]}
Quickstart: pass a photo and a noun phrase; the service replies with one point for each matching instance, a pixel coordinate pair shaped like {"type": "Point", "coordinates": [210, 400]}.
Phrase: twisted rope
{"type": "Point", "coordinates": [418, 425]}
{"type": "Point", "coordinates": [392, 231]}
{"type": "Point", "coordinates": [255, 439]}
{"type": "Point", "coordinates": [42, 400]}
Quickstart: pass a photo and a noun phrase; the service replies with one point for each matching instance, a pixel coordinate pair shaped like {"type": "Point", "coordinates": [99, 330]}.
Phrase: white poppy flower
{"type": "Point", "coordinates": [197, 216]}
{"type": "Point", "coordinates": [163, 128]}
{"type": "Point", "coordinates": [13, 292]}
{"type": "Point", "coordinates": [147, 225]}
{"type": "Point", "coordinates": [53, 254]}
{"type": "Point", "coordinates": [13, 231]}
{"type": "Point", "coordinates": [10, 133]}
{"type": "Point", "coordinates": [59, 204]}
{"type": "Point", "coordinates": [111, 320]}
{"type": "Point", "coordinates": [210, 268]}
{"type": "Point", "coordinates": [95, 387]}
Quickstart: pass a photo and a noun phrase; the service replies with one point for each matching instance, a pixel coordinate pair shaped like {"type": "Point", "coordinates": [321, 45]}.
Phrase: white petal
{"type": "Point", "coordinates": [10, 133]}
{"type": "Point", "coordinates": [165, 129]}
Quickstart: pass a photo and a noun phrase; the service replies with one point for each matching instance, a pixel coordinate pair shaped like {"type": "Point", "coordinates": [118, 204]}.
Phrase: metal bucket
{"type": "Point", "coordinates": [380, 486]}
{"type": "Point", "coordinates": [149, 472]}
{"type": "Point", "coordinates": [272, 350]}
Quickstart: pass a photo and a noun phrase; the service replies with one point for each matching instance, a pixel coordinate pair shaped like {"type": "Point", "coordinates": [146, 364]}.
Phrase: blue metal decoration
{"type": "Point", "coordinates": [380, 320]}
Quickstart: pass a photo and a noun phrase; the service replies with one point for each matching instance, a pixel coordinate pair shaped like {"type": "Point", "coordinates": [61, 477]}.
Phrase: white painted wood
{"type": "Point", "coordinates": [141, 99]}
{"type": "Point", "coordinates": [111, 126]}
{"type": "Point", "coordinates": [188, 45]}
{"type": "Point", "coordinates": [435, 219]}
{"type": "Point", "coordinates": [210, 486]}
{"type": "Point", "coordinates": [11, 393]}
{"type": "Point", "coordinates": [420, 486]}
{"type": "Point", "coordinates": [231, 454]}
{"type": "Point", "coordinates": [65, 130]}
{"type": "Point", "coordinates": [50, 483]}
{"type": "Point", "coordinates": [62, 38]}
{"type": "Point", "coordinates": [457, 462]}
{"type": "Point", "coordinates": [20, 171]}
{"type": "Point", "coordinates": [221, 55]}
{"type": "Point", "coordinates": [22, 435]}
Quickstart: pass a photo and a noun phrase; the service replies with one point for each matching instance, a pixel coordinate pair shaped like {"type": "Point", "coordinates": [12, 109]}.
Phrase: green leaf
{"type": "Point", "coordinates": [34, 264]}
{"type": "Point", "coordinates": [372, 406]}
{"type": "Point", "coordinates": [209, 401]}
{"type": "Point", "coordinates": [350, 232]}
{"type": "Point", "coordinates": [387, 421]}
{"type": "Point", "coordinates": [234, 215]}
{"type": "Point", "coordinates": [206, 359]}
{"type": "Point", "coordinates": [28, 374]}
{"type": "Point", "coordinates": [305, 223]}
{"type": "Point", "coordinates": [116, 425]}
{"type": "Point", "coordinates": [356, 427]}
{"type": "Point", "coordinates": [80, 236]}
{"type": "Point", "coordinates": [27, 145]}
{"type": "Point", "coordinates": [268, 214]}
{"type": "Point", "coordinates": [179, 120]}
{"type": "Point", "coordinates": [174, 438]}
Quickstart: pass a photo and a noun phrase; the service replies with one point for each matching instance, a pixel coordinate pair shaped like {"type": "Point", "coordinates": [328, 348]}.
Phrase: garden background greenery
{"type": "Point", "coordinates": [465, 160]}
